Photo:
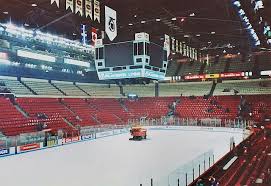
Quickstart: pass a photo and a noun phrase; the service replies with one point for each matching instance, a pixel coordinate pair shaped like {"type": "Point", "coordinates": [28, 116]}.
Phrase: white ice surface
{"type": "Point", "coordinates": [113, 161]}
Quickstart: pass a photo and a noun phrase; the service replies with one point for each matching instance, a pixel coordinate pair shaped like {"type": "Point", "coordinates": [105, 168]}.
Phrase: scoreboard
{"type": "Point", "coordinates": [139, 58]}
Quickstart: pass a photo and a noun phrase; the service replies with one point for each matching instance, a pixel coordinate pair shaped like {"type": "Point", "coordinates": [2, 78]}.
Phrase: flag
{"type": "Point", "coordinates": [167, 44]}
{"type": "Point", "coordinates": [88, 8]}
{"type": "Point", "coordinates": [93, 36]}
{"type": "Point", "coordinates": [84, 34]}
{"type": "Point", "coordinates": [110, 23]}
{"type": "Point", "coordinates": [57, 2]}
{"type": "Point", "coordinates": [69, 5]}
{"type": "Point", "coordinates": [96, 10]}
{"type": "Point", "coordinates": [79, 7]}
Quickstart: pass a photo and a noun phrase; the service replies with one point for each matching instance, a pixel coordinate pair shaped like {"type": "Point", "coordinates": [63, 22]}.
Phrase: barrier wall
{"type": "Point", "coordinates": [58, 142]}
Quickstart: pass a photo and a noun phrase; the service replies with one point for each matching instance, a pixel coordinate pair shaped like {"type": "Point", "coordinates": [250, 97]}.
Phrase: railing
{"type": "Point", "coordinates": [206, 122]}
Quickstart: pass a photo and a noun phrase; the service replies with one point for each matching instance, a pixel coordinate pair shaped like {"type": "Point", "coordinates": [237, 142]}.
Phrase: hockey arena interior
{"type": "Point", "coordinates": [135, 93]}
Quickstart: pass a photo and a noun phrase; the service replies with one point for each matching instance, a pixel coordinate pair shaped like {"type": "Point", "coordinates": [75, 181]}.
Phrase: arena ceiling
{"type": "Point", "coordinates": [202, 23]}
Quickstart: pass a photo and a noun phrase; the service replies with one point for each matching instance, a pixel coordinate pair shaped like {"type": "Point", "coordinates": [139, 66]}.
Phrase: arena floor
{"type": "Point", "coordinates": [114, 161]}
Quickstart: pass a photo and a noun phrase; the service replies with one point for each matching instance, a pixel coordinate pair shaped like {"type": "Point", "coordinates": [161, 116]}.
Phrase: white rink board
{"type": "Point", "coordinates": [114, 160]}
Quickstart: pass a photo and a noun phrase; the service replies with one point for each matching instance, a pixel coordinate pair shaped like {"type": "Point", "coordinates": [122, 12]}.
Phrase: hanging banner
{"type": "Point", "coordinates": [177, 46]}
{"type": "Point", "coordinates": [97, 10]}
{"type": "Point", "coordinates": [88, 8]}
{"type": "Point", "coordinates": [167, 44]}
{"type": "Point", "coordinates": [79, 7]}
{"type": "Point", "coordinates": [196, 55]}
{"type": "Point", "coordinates": [57, 2]}
{"type": "Point", "coordinates": [173, 44]}
{"type": "Point", "coordinates": [83, 34]}
{"type": "Point", "coordinates": [181, 48]}
{"type": "Point", "coordinates": [184, 49]}
{"type": "Point", "coordinates": [69, 5]}
{"type": "Point", "coordinates": [110, 23]}
{"type": "Point", "coordinates": [93, 36]}
{"type": "Point", "coordinates": [187, 50]}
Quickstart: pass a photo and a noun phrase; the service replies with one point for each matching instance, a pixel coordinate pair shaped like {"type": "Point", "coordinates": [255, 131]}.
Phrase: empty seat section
{"type": "Point", "coordinates": [69, 88]}
{"type": "Point", "coordinates": [82, 109]}
{"type": "Point", "coordinates": [185, 89]}
{"type": "Point", "coordinates": [41, 87]}
{"type": "Point", "coordinates": [15, 86]}
{"type": "Point", "coordinates": [244, 87]}
{"type": "Point", "coordinates": [12, 122]}
{"type": "Point", "coordinates": [52, 108]}
{"type": "Point", "coordinates": [101, 90]}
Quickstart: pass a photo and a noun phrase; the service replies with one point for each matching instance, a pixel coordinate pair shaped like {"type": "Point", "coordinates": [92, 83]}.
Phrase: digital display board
{"type": "Point", "coordinates": [156, 53]}
{"type": "Point", "coordinates": [118, 54]}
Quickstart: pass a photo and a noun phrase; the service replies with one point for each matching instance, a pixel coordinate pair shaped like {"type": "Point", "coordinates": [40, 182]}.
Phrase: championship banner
{"type": "Point", "coordinates": [97, 10]}
{"type": "Point", "coordinates": [187, 50]}
{"type": "Point", "coordinates": [190, 54]}
{"type": "Point", "coordinates": [69, 5]}
{"type": "Point", "coordinates": [196, 55]}
{"type": "Point", "coordinates": [173, 44]}
{"type": "Point", "coordinates": [181, 48]}
{"type": "Point", "coordinates": [167, 44]}
{"type": "Point", "coordinates": [57, 2]}
{"type": "Point", "coordinates": [79, 7]}
{"type": "Point", "coordinates": [93, 36]}
{"type": "Point", "coordinates": [184, 49]}
{"type": "Point", "coordinates": [110, 23]}
{"type": "Point", "coordinates": [88, 8]}
{"type": "Point", "coordinates": [177, 46]}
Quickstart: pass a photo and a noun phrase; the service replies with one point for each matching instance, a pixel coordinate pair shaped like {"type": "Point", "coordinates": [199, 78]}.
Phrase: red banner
{"type": "Point", "coordinates": [189, 77]}
{"type": "Point", "coordinates": [30, 147]}
{"type": "Point", "coordinates": [232, 74]}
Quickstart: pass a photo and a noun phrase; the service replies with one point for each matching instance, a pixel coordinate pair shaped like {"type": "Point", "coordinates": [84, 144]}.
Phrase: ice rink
{"type": "Point", "coordinates": [114, 160]}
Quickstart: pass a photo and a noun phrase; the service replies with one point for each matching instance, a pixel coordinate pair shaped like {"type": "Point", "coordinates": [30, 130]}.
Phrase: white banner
{"type": "Point", "coordinates": [167, 44]}
{"type": "Point", "coordinates": [88, 8]}
{"type": "Point", "coordinates": [181, 48]}
{"type": "Point", "coordinates": [69, 5]}
{"type": "Point", "coordinates": [57, 2]}
{"type": "Point", "coordinates": [177, 46]}
{"type": "Point", "coordinates": [184, 49]}
{"type": "Point", "coordinates": [110, 23]}
{"type": "Point", "coordinates": [173, 44]}
{"type": "Point", "coordinates": [97, 10]}
{"type": "Point", "coordinates": [79, 7]}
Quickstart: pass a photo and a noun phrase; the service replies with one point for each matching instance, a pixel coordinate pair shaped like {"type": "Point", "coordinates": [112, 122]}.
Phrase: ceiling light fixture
{"type": "Point", "coordinates": [143, 22]}
{"type": "Point", "coordinates": [158, 19]}
{"type": "Point", "coordinates": [182, 20]}
{"type": "Point", "coordinates": [174, 19]}
{"type": "Point", "coordinates": [34, 4]}
{"type": "Point", "coordinates": [6, 12]}
{"type": "Point", "coordinates": [130, 24]}
{"type": "Point", "coordinates": [212, 32]}
{"type": "Point", "coordinates": [198, 35]}
{"type": "Point", "coordinates": [192, 14]}
{"type": "Point", "coordinates": [186, 36]}
{"type": "Point", "coordinates": [26, 25]}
